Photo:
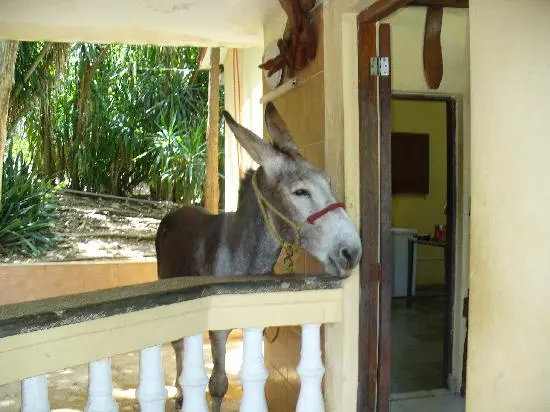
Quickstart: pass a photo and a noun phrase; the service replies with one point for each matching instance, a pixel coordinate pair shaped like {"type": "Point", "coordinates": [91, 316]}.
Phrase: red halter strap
{"type": "Point", "coordinates": [324, 211]}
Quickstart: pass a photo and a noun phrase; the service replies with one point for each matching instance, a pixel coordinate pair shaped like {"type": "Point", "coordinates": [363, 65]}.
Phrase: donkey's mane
{"type": "Point", "coordinates": [282, 149]}
{"type": "Point", "coordinates": [245, 186]}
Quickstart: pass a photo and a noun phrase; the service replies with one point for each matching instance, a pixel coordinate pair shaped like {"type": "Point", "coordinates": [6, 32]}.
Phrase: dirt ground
{"type": "Point", "coordinates": [93, 228]}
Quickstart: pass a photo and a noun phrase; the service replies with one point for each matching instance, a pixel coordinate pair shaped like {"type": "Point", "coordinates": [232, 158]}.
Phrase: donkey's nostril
{"type": "Point", "coordinates": [345, 253]}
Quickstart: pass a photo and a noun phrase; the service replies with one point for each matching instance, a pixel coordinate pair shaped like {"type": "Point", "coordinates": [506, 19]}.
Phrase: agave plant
{"type": "Point", "coordinates": [28, 211]}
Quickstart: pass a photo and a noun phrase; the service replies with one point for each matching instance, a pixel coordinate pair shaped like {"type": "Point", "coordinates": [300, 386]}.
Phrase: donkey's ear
{"type": "Point", "coordinates": [261, 152]}
{"type": "Point", "coordinates": [278, 130]}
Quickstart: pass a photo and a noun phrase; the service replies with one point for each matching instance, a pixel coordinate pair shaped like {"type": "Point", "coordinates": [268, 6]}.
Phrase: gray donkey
{"type": "Point", "coordinates": [286, 202]}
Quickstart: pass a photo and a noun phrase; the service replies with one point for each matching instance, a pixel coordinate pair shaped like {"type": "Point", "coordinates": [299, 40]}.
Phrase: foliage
{"type": "Point", "coordinates": [178, 157]}
{"type": "Point", "coordinates": [111, 118]}
{"type": "Point", "coordinates": [38, 65]}
{"type": "Point", "coordinates": [28, 210]}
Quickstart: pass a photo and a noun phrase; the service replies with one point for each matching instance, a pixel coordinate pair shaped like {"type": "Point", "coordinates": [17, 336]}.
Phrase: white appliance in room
{"type": "Point", "coordinates": [400, 251]}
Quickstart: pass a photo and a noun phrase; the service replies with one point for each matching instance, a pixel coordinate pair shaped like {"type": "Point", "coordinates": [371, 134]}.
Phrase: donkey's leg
{"type": "Point", "coordinates": [218, 380]}
{"type": "Point", "coordinates": [178, 349]}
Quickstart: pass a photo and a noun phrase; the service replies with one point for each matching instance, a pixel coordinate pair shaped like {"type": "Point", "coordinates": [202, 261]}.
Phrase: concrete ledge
{"type": "Point", "coordinates": [57, 333]}
{"type": "Point", "coordinates": [66, 310]}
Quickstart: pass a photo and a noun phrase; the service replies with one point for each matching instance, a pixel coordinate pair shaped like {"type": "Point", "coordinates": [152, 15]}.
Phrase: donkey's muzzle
{"type": "Point", "coordinates": [350, 256]}
{"type": "Point", "coordinates": [346, 258]}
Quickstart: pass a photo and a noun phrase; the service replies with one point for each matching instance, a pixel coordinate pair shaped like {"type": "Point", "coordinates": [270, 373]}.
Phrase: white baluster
{"type": "Point", "coordinates": [253, 372]}
{"type": "Point", "coordinates": [151, 391]}
{"type": "Point", "coordinates": [100, 387]}
{"type": "Point", "coordinates": [34, 394]}
{"type": "Point", "coordinates": [311, 371]}
{"type": "Point", "coordinates": [193, 378]}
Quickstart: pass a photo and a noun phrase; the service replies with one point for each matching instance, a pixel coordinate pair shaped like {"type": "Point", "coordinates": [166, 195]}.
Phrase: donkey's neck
{"type": "Point", "coordinates": [249, 247]}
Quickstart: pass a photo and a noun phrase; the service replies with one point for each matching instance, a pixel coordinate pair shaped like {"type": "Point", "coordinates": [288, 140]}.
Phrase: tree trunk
{"type": "Point", "coordinates": [212, 188]}
{"type": "Point", "coordinates": [81, 108]}
{"type": "Point", "coordinates": [46, 129]}
{"type": "Point", "coordinates": [8, 55]}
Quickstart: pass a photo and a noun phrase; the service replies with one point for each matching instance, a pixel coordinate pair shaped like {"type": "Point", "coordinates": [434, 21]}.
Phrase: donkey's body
{"type": "Point", "coordinates": [191, 242]}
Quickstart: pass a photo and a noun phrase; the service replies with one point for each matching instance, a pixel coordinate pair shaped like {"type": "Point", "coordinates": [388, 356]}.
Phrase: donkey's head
{"type": "Point", "coordinates": [302, 193]}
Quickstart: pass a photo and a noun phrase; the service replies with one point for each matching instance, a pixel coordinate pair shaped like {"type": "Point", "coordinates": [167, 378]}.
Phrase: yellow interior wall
{"type": "Point", "coordinates": [417, 211]}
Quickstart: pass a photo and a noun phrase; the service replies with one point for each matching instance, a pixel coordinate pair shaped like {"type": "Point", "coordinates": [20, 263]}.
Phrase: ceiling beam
{"type": "Point", "coordinates": [461, 4]}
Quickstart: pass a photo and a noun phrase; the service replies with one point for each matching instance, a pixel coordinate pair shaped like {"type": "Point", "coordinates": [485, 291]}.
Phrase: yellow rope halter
{"type": "Point", "coordinates": [286, 246]}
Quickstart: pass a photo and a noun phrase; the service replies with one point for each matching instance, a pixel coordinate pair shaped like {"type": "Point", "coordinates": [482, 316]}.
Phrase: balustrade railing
{"type": "Point", "coordinates": [248, 303]}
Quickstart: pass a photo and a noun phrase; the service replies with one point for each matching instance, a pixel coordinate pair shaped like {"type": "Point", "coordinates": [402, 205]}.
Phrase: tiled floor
{"type": "Point", "coordinates": [417, 345]}
{"type": "Point", "coordinates": [438, 400]}
{"type": "Point", "coordinates": [417, 357]}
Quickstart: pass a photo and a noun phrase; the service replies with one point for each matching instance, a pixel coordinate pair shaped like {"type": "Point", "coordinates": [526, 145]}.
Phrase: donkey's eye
{"type": "Point", "coordinates": [301, 192]}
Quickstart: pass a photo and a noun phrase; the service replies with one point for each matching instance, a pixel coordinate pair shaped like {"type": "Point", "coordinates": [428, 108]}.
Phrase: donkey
{"type": "Point", "coordinates": [285, 202]}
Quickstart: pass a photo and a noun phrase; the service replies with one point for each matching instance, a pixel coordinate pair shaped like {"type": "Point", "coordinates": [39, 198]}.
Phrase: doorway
{"type": "Point", "coordinates": [377, 198]}
{"type": "Point", "coordinates": [423, 165]}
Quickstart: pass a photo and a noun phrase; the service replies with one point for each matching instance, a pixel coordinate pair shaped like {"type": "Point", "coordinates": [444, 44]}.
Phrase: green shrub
{"type": "Point", "coordinates": [28, 209]}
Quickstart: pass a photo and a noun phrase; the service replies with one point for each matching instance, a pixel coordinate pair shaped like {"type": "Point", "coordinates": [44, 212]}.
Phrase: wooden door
{"type": "Point", "coordinates": [374, 61]}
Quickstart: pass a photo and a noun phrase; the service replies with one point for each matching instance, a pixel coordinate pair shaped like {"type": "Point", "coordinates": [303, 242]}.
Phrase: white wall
{"type": "Point", "coordinates": [243, 90]}
{"type": "Point", "coordinates": [407, 28]}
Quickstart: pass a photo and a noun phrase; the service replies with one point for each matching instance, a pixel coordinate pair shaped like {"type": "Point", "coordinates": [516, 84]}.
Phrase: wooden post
{"type": "Point", "coordinates": [212, 189]}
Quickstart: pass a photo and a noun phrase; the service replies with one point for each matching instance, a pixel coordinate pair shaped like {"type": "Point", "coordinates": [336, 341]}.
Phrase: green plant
{"type": "Point", "coordinates": [110, 119]}
{"type": "Point", "coordinates": [28, 211]}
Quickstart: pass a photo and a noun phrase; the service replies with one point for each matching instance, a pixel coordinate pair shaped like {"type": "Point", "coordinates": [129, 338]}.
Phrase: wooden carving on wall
{"type": "Point", "coordinates": [298, 46]}
{"type": "Point", "coordinates": [432, 53]}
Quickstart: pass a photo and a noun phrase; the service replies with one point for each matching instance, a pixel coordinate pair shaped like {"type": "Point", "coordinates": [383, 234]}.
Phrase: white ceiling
{"type": "Point", "coordinates": [231, 23]}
